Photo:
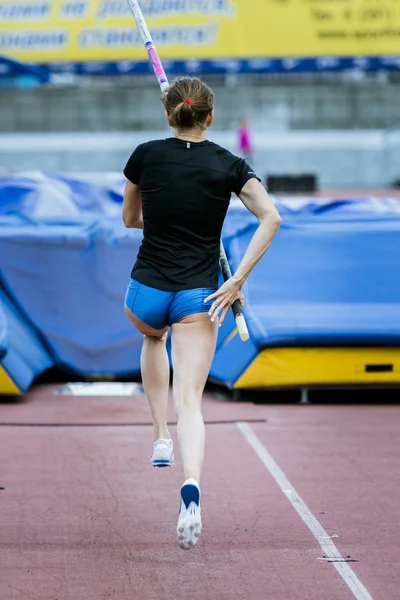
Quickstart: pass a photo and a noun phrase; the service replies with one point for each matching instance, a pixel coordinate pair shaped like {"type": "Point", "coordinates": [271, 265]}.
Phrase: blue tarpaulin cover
{"type": "Point", "coordinates": [65, 258]}
{"type": "Point", "coordinates": [70, 277]}
{"type": "Point", "coordinates": [331, 276]}
{"type": "Point", "coordinates": [26, 356]}
{"type": "Point", "coordinates": [3, 333]}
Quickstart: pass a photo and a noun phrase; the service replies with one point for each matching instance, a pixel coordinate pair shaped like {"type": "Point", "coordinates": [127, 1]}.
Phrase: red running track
{"type": "Point", "coordinates": [84, 516]}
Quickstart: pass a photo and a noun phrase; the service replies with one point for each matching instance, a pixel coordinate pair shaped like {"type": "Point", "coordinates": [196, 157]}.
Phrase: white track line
{"type": "Point", "coordinates": [323, 539]}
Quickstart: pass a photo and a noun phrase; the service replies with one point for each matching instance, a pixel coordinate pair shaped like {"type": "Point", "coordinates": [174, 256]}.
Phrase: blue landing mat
{"type": "Point", "coordinates": [25, 356]}
{"type": "Point", "coordinates": [70, 276]}
{"type": "Point", "coordinates": [331, 276]}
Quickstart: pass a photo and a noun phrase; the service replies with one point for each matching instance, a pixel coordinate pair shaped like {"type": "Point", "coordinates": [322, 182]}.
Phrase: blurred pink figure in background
{"type": "Point", "coordinates": [244, 139]}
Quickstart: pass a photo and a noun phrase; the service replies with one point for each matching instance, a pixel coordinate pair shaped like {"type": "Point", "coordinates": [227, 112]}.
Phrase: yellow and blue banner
{"type": "Point", "coordinates": [251, 33]}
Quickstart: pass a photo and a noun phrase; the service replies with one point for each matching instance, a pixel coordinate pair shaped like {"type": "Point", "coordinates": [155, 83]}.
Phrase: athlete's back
{"type": "Point", "coordinates": [186, 188]}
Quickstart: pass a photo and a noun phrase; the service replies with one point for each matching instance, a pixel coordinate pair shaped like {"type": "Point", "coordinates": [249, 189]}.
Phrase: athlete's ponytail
{"type": "Point", "coordinates": [188, 102]}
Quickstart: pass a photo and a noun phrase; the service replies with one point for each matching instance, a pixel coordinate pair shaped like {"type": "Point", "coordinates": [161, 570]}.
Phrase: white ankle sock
{"type": "Point", "coordinates": [191, 481]}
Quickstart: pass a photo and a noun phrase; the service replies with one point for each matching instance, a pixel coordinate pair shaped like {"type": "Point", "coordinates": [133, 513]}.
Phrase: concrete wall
{"type": "Point", "coordinates": [133, 105]}
{"type": "Point", "coordinates": [333, 126]}
{"type": "Point", "coordinates": [339, 158]}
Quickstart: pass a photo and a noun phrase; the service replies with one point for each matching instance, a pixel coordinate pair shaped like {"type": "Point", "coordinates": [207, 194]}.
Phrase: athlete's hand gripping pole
{"type": "Point", "coordinates": [163, 83]}
{"type": "Point", "coordinates": [236, 306]}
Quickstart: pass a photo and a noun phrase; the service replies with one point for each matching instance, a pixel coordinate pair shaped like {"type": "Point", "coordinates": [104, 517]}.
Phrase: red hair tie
{"type": "Point", "coordinates": [188, 101]}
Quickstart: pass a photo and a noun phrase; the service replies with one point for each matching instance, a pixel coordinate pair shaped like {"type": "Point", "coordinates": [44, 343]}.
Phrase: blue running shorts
{"type": "Point", "coordinates": [158, 308]}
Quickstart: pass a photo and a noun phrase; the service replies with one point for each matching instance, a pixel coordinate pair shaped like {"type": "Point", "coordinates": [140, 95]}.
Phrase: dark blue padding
{"type": "Point", "coordinates": [331, 276]}
{"type": "Point", "coordinates": [11, 68]}
{"type": "Point", "coordinates": [235, 65]}
{"type": "Point", "coordinates": [26, 357]}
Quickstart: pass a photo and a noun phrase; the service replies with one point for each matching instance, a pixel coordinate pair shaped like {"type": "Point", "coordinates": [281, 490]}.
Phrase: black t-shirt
{"type": "Point", "coordinates": [186, 188]}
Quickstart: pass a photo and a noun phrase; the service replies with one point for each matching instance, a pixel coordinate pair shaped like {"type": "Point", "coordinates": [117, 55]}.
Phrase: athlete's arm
{"type": "Point", "coordinates": [255, 198]}
{"type": "Point", "coordinates": [257, 201]}
{"type": "Point", "coordinates": [132, 206]}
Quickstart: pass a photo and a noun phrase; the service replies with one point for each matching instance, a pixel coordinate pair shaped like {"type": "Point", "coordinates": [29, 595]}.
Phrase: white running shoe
{"type": "Point", "coordinates": [189, 522]}
{"type": "Point", "coordinates": [163, 453]}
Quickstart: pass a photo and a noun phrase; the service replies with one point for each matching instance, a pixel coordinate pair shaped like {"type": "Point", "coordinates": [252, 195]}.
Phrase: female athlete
{"type": "Point", "coordinates": [178, 192]}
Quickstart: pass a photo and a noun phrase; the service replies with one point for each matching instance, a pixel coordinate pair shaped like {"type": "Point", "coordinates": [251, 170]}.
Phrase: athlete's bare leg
{"type": "Point", "coordinates": [193, 346]}
{"type": "Point", "coordinates": [154, 366]}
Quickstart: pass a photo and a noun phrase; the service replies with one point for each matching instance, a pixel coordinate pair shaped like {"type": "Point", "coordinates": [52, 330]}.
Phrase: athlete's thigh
{"type": "Point", "coordinates": [143, 328]}
{"type": "Point", "coordinates": [193, 346]}
{"type": "Point", "coordinates": [147, 308]}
